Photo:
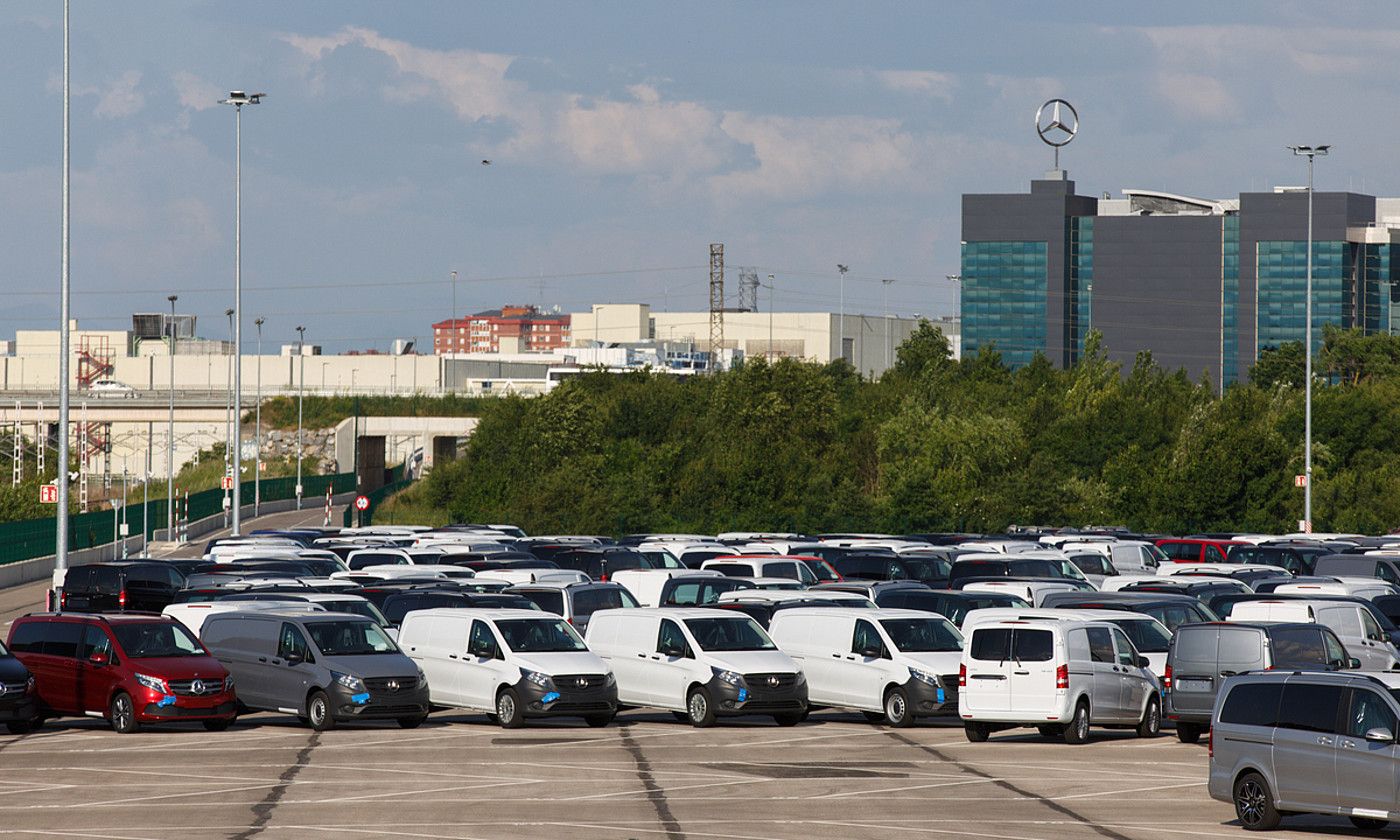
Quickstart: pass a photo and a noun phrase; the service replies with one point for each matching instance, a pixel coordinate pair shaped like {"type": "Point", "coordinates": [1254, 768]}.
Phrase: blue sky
{"type": "Point", "coordinates": [625, 137]}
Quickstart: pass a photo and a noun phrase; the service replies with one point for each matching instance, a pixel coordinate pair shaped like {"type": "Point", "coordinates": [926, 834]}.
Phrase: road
{"type": "Point", "coordinates": [647, 776]}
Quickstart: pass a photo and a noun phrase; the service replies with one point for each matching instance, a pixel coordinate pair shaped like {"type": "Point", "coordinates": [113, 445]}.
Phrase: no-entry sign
{"type": "Point", "coordinates": [362, 503]}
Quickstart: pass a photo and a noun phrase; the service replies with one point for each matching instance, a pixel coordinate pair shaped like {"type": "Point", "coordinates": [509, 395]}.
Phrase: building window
{"type": "Point", "coordinates": [1003, 298]}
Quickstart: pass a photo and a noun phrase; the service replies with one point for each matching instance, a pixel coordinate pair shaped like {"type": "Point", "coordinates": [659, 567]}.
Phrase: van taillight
{"type": "Point", "coordinates": [962, 676]}
{"type": "Point", "coordinates": [1062, 676]}
{"type": "Point", "coordinates": [1167, 679]}
{"type": "Point", "coordinates": [1210, 743]}
{"type": "Point", "coordinates": [63, 601]}
{"type": "Point", "coordinates": [121, 599]}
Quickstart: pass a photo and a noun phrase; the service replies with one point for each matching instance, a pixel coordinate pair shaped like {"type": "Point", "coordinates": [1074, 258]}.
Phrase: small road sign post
{"type": "Point", "coordinates": [48, 494]}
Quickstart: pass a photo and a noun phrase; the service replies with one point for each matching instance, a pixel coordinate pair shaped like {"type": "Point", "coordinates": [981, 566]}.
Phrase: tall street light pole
{"type": "Point", "coordinates": [170, 435]}
{"type": "Point", "coordinates": [238, 99]}
{"type": "Point", "coordinates": [257, 427]}
{"type": "Point", "coordinates": [1309, 152]}
{"type": "Point", "coordinates": [889, 341]}
{"type": "Point", "coordinates": [771, 357]}
{"type": "Point", "coordinates": [453, 331]}
{"type": "Point", "coordinates": [841, 323]}
{"type": "Point", "coordinates": [956, 280]}
{"type": "Point", "coordinates": [230, 500]}
{"type": "Point", "coordinates": [61, 521]}
{"type": "Point", "coordinates": [301, 391]}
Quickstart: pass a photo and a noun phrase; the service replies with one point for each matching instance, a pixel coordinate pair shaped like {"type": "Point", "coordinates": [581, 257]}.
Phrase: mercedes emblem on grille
{"type": "Point", "coordinates": [2, 689]}
{"type": "Point", "coordinates": [392, 685]}
{"type": "Point", "coordinates": [773, 682]}
{"type": "Point", "coordinates": [581, 682]}
{"type": "Point", "coordinates": [197, 687]}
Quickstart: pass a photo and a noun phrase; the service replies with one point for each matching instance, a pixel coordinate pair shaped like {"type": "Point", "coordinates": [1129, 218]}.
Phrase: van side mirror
{"type": "Point", "coordinates": [295, 658]}
{"type": "Point", "coordinates": [671, 650]}
{"type": "Point", "coordinates": [97, 658]}
{"type": "Point", "coordinates": [1380, 735]}
{"type": "Point", "coordinates": [1353, 663]}
{"type": "Point", "coordinates": [872, 652]}
{"type": "Point", "coordinates": [1144, 662]}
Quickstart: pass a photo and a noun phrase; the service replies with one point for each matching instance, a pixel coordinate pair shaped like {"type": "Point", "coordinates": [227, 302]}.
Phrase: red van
{"type": "Point", "coordinates": [1190, 550]}
{"type": "Point", "coordinates": [129, 669]}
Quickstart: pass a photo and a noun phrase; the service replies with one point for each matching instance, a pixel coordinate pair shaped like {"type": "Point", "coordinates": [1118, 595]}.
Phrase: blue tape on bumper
{"type": "Point", "coordinates": [743, 695]}
{"type": "Point", "coordinates": [361, 698]}
{"type": "Point", "coordinates": [550, 697]}
{"type": "Point", "coordinates": [167, 700]}
{"type": "Point", "coordinates": [941, 696]}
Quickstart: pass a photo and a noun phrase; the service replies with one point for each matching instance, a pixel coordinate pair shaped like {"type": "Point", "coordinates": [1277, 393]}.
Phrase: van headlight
{"type": "Point", "coordinates": [153, 683]}
{"type": "Point", "coordinates": [228, 683]}
{"type": "Point", "coordinates": [537, 678]}
{"type": "Point", "coordinates": [736, 680]}
{"type": "Point", "coordinates": [350, 682]}
{"type": "Point", "coordinates": [609, 679]}
{"type": "Point", "coordinates": [925, 678]}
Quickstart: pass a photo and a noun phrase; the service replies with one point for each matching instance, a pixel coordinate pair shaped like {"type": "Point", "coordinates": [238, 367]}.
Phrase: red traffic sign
{"type": "Point", "coordinates": [1300, 481]}
{"type": "Point", "coordinates": [227, 483]}
{"type": "Point", "coordinates": [48, 494]}
{"type": "Point", "coordinates": [362, 503]}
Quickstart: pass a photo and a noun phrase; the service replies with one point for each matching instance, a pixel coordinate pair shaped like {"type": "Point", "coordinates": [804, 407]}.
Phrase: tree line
{"type": "Point", "coordinates": [941, 445]}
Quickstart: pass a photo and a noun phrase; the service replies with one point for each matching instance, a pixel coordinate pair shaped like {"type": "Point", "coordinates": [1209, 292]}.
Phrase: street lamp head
{"type": "Point", "coordinates": [1311, 151]}
{"type": "Point", "coordinates": [841, 268]}
{"type": "Point", "coordinates": [238, 98]}
{"type": "Point", "coordinates": [228, 312]}
{"type": "Point", "coordinates": [258, 322]}
{"type": "Point", "coordinates": [172, 298]}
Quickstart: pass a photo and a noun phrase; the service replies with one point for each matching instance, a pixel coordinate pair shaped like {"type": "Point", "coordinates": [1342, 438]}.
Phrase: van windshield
{"type": "Point", "coordinates": [364, 609]}
{"type": "Point", "coordinates": [1147, 636]}
{"type": "Point", "coordinates": [349, 638]}
{"type": "Point", "coordinates": [539, 635]}
{"type": "Point", "coordinates": [922, 635]}
{"type": "Point", "coordinates": [722, 634]}
{"type": "Point", "coordinates": [155, 640]}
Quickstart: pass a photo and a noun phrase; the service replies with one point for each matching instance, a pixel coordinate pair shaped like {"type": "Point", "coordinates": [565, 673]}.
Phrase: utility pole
{"type": "Point", "coordinates": [257, 428]}
{"type": "Point", "coordinates": [301, 391]}
{"type": "Point", "coordinates": [889, 342]}
{"type": "Point", "coordinates": [61, 520]}
{"type": "Point", "coordinates": [841, 322]}
{"type": "Point", "coordinates": [170, 435]}
{"type": "Point", "coordinates": [1309, 152]}
{"type": "Point", "coordinates": [716, 304]}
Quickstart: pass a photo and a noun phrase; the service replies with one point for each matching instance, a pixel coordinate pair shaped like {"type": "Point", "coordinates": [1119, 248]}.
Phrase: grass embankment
{"type": "Point", "coordinates": [207, 469]}
{"type": "Point", "coordinates": [325, 412]}
{"type": "Point", "coordinates": [411, 507]}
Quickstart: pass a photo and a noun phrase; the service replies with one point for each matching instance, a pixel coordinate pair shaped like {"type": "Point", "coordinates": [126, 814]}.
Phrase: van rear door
{"type": "Point", "coordinates": [1033, 665]}
{"type": "Point", "coordinates": [1193, 659]}
{"type": "Point", "coordinates": [988, 686]}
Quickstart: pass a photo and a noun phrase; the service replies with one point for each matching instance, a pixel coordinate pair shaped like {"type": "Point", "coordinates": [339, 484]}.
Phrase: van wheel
{"type": "Point", "coordinates": [412, 722]}
{"type": "Point", "coordinates": [19, 727]}
{"type": "Point", "coordinates": [698, 709]}
{"type": "Point", "coordinates": [318, 711]}
{"type": "Point", "coordinates": [897, 710]}
{"type": "Point", "coordinates": [789, 718]}
{"type": "Point", "coordinates": [600, 720]}
{"type": "Point", "coordinates": [122, 714]}
{"type": "Point", "coordinates": [1078, 730]}
{"type": "Point", "coordinates": [218, 725]}
{"type": "Point", "coordinates": [1369, 823]}
{"type": "Point", "coordinates": [508, 709]}
{"type": "Point", "coordinates": [976, 732]}
{"type": "Point", "coordinates": [1188, 733]}
{"type": "Point", "coordinates": [1254, 805]}
{"type": "Point", "coordinates": [1151, 724]}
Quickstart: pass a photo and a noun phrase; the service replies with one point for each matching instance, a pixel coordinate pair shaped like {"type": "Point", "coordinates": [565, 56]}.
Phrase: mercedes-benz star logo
{"type": "Point", "coordinates": [1054, 131]}
{"type": "Point", "coordinates": [392, 685]}
{"type": "Point", "coordinates": [773, 682]}
{"type": "Point", "coordinates": [197, 687]}
{"type": "Point", "coordinates": [581, 682]}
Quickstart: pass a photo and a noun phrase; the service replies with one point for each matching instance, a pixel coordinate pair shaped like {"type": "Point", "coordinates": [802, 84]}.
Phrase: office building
{"type": "Point", "coordinates": [512, 329]}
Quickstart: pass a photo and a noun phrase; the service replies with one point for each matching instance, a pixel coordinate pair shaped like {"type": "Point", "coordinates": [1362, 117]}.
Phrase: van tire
{"type": "Point", "coordinates": [698, 708]}
{"type": "Point", "coordinates": [1151, 724]}
{"type": "Point", "coordinates": [789, 718]}
{"type": "Point", "coordinates": [318, 711]}
{"type": "Point", "coordinates": [218, 724]}
{"type": "Point", "coordinates": [508, 709]}
{"type": "Point", "coordinates": [1254, 804]}
{"type": "Point", "coordinates": [412, 722]}
{"type": "Point", "coordinates": [897, 710]}
{"type": "Point", "coordinates": [1188, 733]}
{"type": "Point", "coordinates": [1369, 823]}
{"type": "Point", "coordinates": [1077, 731]}
{"type": "Point", "coordinates": [19, 727]}
{"type": "Point", "coordinates": [600, 720]}
{"type": "Point", "coordinates": [976, 732]}
{"type": "Point", "coordinates": [121, 713]}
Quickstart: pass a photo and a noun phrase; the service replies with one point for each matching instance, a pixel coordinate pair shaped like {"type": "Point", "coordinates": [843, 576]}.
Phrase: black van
{"type": "Point", "coordinates": [137, 586]}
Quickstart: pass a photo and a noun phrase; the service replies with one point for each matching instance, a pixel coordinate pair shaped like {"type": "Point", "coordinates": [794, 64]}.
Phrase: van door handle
{"type": "Point", "coordinates": [262, 658]}
{"type": "Point", "coordinates": [451, 656]}
{"type": "Point", "coordinates": [1228, 673]}
{"type": "Point", "coordinates": [1349, 745]}
{"type": "Point", "coordinates": [1022, 673]}
{"type": "Point", "coordinates": [836, 656]}
{"type": "Point", "coordinates": [1325, 740]}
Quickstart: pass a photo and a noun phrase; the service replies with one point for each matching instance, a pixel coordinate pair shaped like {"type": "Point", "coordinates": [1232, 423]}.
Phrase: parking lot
{"type": "Point", "coordinates": [645, 776]}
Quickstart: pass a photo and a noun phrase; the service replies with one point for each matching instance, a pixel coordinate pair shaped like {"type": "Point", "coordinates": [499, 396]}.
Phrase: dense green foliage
{"type": "Point", "coordinates": [324, 412]}
{"type": "Point", "coordinates": [939, 445]}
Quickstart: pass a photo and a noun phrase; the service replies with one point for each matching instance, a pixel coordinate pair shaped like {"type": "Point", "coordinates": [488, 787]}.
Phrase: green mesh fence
{"type": "Point", "coordinates": [354, 518]}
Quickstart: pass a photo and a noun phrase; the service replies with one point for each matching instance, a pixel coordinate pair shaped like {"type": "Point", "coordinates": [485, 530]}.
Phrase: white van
{"type": "Point", "coordinates": [510, 664]}
{"type": "Point", "coordinates": [699, 664]}
{"type": "Point", "coordinates": [1058, 676]}
{"type": "Point", "coordinates": [774, 596]}
{"type": "Point", "coordinates": [1150, 636]}
{"type": "Point", "coordinates": [1357, 587]}
{"type": "Point", "coordinates": [1032, 591]}
{"type": "Point", "coordinates": [194, 614]}
{"type": "Point", "coordinates": [892, 665]}
{"type": "Point", "coordinates": [646, 584]}
{"type": "Point", "coordinates": [1354, 625]}
{"type": "Point", "coordinates": [763, 567]}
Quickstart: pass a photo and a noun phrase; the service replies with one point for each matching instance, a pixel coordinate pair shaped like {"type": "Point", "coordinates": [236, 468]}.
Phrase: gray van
{"type": "Point", "coordinates": [1307, 743]}
{"type": "Point", "coordinates": [1385, 567]}
{"type": "Point", "coordinates": [1202, 656]}
{"type": "Point", "coordinates": [322, 667]}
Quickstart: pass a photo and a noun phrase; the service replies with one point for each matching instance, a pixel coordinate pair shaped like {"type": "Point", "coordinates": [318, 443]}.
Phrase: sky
{"type": "Point", "coordinates": [624, 138]}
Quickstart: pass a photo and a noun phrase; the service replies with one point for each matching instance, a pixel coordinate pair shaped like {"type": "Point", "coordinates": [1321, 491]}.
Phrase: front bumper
{"type": "Point", "coordinates": [154, 706]}
{"type": "Point", "coordinates": [925, 699]}
{"type": "Point", "coordinates": [349, 705]}
{"type": "Point", "coordinates": [26, 708]}
{"type": "Point", "coordinates": [562, 696]}
{"type": "Point", "coordinates": [756, 697]}
{"type": "Point", "coordinates": [1174, 714]}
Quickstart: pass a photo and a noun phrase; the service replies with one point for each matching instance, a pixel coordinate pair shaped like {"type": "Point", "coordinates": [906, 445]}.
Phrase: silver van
{"type": "Point", "coordinates": [1202, 657]}
{"type": "Point", "coordinates": [322, 667]}
{"type": "Point", "coordinates": [1385, 567]}
{"type": "Point", "coordinates": [1307, 743]}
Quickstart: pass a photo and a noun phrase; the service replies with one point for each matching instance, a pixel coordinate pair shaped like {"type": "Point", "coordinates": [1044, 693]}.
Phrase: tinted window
{"type": "Point", "coordinates": [722, 634]}
{"type": "Point", "coordinates": [927, 568]}
{"type": "Point", "coordinates": [670, 637]}
{"type": "Point", "coordinates": [290, 642]}
{"type": "Point", "coordinates": [481, 641]}
{"type": "Point", "coordinates": [732, 569]}
{"type": "Point", "coordinates": [546, 599]}
{"type": "Point", "coordinates": [105, 580]}
{"type": "Point", "coordinates": [781, 570]}
{"type": "Point", "coordinates": [28, 638]}
{"type": "Point", "coordinates": [1214, 555]}
{"type": "Point", "coordinates": [1240, 646]}
{"type": "Point", "coordinates": [1309, 707]}
{"type": "Point", "coordinates": [1173, 616]}
{"type": "Point", "coordinates": [156, 640]}
{"type": "Point", "coordinates": [1147, 636]}
{"type": "Point", "coordinates": [1296, 647]}
{"type": "Point", "coordinates": [95, 640]}
{"type": "Point", "coordinates": [1034, 568]}
{"type": "Point", "coordinates": [539, 635]}
{"type": "Point", "coordinates": [61, 638]}
{"type": "Point", "coordinates": [1369, 711]}
{"type": "Point", "coordinates": [589, 601]}
{"type": "Point", "coordinates": [1386, 573]}
{"type": "Point", "coordinates": [684, 594]}
{"type": "Point", "coordinates": [1127, 654]}
{"type": "Point", "coordinates": [349, 638]}
{"type": "Point", "coordinates": [919, 635]}
{"type": "Point", "coordinates": [991, 645]}
{"type": "Point", "coordinates": [1333, 646]}
{"type": "Point", "coordinates": [1252, 704]}
{"type": "Point", "coordinates": [1197, 645]}
{"type": "Point", "coordinates": [1091, 564]}
{"type": "Point", "coordinates": [866, 637]}
{"type": "Point", "coordinates": [1100, 645]}
{"type": "Point", "coordinates": [1033, 646]}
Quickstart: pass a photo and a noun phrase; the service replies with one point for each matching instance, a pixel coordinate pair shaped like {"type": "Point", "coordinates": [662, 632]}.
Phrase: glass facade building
{"type": "Point", "coordinates": [1003, 298]}
{"type": "Point", "coordinates": [1282, 287]}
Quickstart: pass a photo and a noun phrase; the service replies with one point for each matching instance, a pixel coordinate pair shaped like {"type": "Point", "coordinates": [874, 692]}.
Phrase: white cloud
{"type": "Point", "coordinates": [121, 98]}
{"type": "Point", "coordinates": [1197, 95]}
{"type": "Point", "coordinates": [926, 82]}
{"type": "Point", "coordinates": [194, 92]}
